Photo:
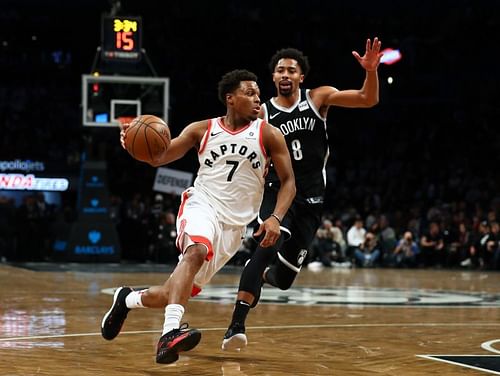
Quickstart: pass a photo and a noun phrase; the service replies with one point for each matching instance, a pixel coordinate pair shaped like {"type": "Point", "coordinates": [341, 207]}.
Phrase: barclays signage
{"type": "Point", "coordinates": [94, 201]}
{"type": "Point", "coordinates": [94, 236]}
{"type": "Point", "coordinates": [94, 242]}
{"type": "Point", "coordinates": [94, 182]}
{"type": "Point", "coordinates": [94, 207]}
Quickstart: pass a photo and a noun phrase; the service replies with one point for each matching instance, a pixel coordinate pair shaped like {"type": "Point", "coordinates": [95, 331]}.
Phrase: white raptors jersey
{"type": "Point", "coordinates": [231, 173]}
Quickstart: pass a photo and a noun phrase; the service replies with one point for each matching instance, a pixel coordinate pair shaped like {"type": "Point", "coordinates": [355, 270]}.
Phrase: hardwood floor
{"type": "Point", "coordinates": [333, 322]}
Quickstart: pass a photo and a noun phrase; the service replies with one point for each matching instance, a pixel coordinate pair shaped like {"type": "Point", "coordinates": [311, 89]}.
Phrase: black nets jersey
{"type": "Point", "coordinates": [305, 134]}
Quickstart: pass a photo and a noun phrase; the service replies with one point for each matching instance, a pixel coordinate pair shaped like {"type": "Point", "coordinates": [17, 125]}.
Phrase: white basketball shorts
{"type": "Point", "coordinates": [197, 223]}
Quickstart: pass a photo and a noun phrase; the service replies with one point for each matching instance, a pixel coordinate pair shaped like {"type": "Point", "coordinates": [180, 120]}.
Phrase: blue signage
{"type": "Point", "coordinates": [93, 236]}
{"type": "Point", "coordinates": [94, 248]}
{"type": "Point", "coordinates": [94, 182]}
{"type": "Point", "coordinates": [94, 207]}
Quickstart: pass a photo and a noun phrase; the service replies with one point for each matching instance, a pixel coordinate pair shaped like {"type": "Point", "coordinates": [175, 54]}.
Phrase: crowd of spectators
{"type": "Point", "coordinates": [440, 236]}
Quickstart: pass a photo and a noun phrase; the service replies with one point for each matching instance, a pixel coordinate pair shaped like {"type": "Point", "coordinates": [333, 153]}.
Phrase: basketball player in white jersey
{"type": "Point", "coordinates": [233, 152]}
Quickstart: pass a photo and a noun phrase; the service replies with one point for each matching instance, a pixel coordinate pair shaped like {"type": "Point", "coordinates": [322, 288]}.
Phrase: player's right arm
{"type": "Point", "coordinates": [189, 137]}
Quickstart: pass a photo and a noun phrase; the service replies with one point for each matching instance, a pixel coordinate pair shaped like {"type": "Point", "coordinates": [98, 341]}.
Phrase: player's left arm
{"type": "Point", "coordinates": [275, 145]}
{"type": "Point", "coordinates": [367, 96]}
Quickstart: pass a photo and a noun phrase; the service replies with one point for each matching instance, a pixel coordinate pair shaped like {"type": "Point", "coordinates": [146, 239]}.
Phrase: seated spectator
{"type": "Point", "coordinates": [327, 245]}
{"type": "Point", "coordinates": [355, 236]}
{"type": "Point", "coordinates": [387, 236]}
{"type": "Point", "coordinates": [475, 254]}
{"type": "Point", "coordinates": [459, 244]}
{"type": "Point", "coordinates": [491, 251]}
{"type": "Point", "coordinates": [432, 243]}
{"type": "Point", "coordinates": [367, 254]}
{"type": "Point", "coordinates": [405, 253]}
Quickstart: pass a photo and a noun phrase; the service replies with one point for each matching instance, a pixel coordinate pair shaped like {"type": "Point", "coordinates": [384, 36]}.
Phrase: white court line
{"type": "Point", "coordinates": [492, 324]}
{"type": "Point", "coordinates": [488, 346]}
{"type": "Point", "coordinates": [433, 357]}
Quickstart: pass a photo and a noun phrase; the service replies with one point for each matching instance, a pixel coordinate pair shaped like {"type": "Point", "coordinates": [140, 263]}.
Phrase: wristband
{"type": "Point", "coordinates": [277, 218]}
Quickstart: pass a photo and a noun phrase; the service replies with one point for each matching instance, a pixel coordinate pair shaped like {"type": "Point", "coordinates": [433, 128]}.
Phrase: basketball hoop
{"type": "Point", "coordinates": [125, 119]}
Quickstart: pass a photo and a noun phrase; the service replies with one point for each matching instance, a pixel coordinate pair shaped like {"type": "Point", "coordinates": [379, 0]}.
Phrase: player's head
{"type": "Point", "coordinates": [289, 67]}
{"type": "Point", "coordinates": [290, 53]}
{"type": "Point", "coordinates": [239, 92]}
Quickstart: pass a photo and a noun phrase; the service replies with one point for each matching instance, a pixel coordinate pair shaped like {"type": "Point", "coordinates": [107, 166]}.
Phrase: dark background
{"type": "Point", "coordinates": [431, 140]}
{"type": "Point", "coordinates": [444, 86]}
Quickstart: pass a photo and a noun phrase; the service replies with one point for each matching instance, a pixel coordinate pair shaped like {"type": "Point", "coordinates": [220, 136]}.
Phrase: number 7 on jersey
{"type": "Point", "coordinates": [233, 169]}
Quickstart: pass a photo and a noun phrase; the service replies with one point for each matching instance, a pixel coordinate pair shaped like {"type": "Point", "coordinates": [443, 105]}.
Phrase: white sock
{"type": "Point", "coordinates": [133, 300]}
{"type": "Point", "coordinates": [173, 316]}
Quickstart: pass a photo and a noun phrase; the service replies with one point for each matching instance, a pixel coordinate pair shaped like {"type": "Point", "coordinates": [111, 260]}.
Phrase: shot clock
{"type": "Point", "coordinates": [121, 38]}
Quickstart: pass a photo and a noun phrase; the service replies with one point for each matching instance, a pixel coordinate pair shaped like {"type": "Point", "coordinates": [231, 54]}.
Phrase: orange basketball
{"type": "Point", "coordinates": [147, 138]}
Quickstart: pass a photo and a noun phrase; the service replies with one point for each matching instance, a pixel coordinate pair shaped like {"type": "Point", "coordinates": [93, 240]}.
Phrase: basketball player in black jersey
{"type": "Point", "coordinates": [300, 115]}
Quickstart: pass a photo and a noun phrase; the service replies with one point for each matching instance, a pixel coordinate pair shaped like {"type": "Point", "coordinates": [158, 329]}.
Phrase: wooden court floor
{"type": "Point", "coordinates": [333, 322]}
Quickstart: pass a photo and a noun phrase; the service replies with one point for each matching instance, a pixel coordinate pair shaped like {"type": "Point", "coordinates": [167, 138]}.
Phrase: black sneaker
{"type": "Point", "coordinates": [235, 338]}
{"type": "Point", "coordinates": [113, 320]}
{"type": "Point", "coordinates": [176, 341]}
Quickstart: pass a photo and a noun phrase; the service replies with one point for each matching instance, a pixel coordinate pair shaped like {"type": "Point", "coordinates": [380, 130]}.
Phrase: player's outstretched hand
{"type": "Point", "coordinates": [123, 133]}
{"type": "Point", "coordinates": [371, 59]}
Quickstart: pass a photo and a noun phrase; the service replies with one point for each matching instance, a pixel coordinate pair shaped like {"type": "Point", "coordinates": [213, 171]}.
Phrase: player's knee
{"type": "Point", "coordinates": [251, 280]}
{"type": "Point", "coordinates": [280, 277]}
{"type": "Point", "coordinates": [195, 254]}
{"type": "Point", "coordinates": [283, 274]}
{"type": "Point", "coordinates": [284, 285]}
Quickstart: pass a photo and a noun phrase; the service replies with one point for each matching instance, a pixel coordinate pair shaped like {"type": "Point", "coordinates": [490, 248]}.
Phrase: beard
{"type": "Point", "coordinates": [285, 92]}
{"type": "Point", "coordinates": [285, 88]}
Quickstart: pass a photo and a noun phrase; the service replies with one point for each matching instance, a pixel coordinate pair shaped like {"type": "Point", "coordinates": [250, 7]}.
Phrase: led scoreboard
{"type": "Point", "coordinates": [121, 38]}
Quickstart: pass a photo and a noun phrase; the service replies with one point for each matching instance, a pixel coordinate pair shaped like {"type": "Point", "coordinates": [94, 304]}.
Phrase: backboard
{"type": "Point", "coordinates": [108, 101]}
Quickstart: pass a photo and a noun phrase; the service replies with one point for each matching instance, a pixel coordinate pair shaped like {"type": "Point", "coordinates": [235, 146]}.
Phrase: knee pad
{"type": "Point", "coordinates": [283, 273]}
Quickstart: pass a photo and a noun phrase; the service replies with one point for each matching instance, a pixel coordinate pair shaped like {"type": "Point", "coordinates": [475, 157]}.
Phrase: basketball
{"type": "Point", "coordinates": [147, 138]}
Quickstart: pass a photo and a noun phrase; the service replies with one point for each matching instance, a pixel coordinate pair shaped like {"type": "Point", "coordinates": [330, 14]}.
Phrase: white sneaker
{"type": "Point", "coordinates": [315, 266]}
{"type": "Point", "coordinates": [235, 338]}
{"type": "Point", "coordinates": [466, 262]}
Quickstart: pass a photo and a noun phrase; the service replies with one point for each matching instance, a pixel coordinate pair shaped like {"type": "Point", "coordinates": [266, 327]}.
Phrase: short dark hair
{"type": "Point", "coordinates": [231, 81]}
{"type": "Point", "coordinates": [290, 53]}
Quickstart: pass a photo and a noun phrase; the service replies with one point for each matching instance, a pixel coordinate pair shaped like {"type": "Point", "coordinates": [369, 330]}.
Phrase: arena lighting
{"type": "Point", "coordinates": [32, 183]}
{"type": "Point", "coordinates": [391, 56]}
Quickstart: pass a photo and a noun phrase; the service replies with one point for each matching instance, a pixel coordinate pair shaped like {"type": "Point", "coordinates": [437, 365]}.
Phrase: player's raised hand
{"type": "Point", "coordinates": [123, 133]}
{"type": "Point", "coordinates": [371, 59]}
